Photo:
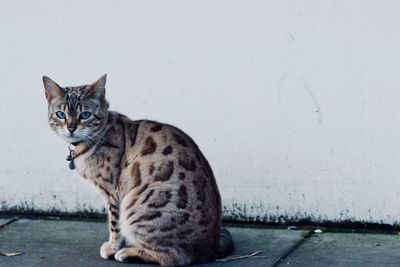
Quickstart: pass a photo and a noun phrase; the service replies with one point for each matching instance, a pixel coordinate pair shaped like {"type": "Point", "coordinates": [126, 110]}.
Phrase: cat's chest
{"type": "Point", "coordinates": [101, 167]}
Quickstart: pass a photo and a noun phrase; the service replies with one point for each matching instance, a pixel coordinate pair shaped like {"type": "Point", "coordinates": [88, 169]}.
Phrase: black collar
{"type": "Point", "coordinates": [76, 143]}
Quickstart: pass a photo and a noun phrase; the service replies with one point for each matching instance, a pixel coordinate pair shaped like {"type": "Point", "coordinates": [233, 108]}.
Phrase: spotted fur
{"type": "Point", "coordinates": [163, 202]}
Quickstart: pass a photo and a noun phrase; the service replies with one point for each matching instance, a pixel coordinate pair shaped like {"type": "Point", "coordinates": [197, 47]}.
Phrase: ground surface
{"type": "Point", "coordinates": [76, 243]}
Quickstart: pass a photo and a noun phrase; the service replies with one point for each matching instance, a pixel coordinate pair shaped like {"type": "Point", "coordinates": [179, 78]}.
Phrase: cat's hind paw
{"type": "Point", "coordinates": [107, 250]}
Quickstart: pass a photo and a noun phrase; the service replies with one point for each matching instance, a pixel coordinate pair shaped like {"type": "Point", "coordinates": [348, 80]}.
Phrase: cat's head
{"type": "Point", "coordinates": [77, 113]}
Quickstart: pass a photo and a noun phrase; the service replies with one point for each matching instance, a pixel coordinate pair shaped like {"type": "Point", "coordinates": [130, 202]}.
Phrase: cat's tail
{"type": "Point", "coordinates": [226, 243]}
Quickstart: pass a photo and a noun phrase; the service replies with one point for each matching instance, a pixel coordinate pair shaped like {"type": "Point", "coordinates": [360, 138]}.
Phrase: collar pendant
{"type": "Point", "coordinates": [71, 156]}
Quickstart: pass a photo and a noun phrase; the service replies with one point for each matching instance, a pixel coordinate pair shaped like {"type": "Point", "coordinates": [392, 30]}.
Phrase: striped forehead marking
{"type": "Point", "coordinates": [73, 97]}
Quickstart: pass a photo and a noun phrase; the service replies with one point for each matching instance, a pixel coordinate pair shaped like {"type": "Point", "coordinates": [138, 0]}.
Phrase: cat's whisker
{"type": "Point", "coordinates": [104, 138]}
{"type": "Point", "coordinates": [90, 142]}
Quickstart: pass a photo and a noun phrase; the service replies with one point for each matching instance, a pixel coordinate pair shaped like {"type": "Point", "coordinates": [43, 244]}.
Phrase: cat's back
{"type": "Point", "coordinates": [153, 141]}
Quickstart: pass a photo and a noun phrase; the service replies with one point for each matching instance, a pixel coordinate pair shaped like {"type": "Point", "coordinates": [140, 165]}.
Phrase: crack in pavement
{"type": "Point", "coordinates": [10, 221]}
{"type": "Point", "coordinates": [292, 249]}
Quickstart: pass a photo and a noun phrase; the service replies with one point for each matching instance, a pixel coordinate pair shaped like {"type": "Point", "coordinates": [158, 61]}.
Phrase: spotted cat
{"type": "Point", "coordinates": [163, 202]}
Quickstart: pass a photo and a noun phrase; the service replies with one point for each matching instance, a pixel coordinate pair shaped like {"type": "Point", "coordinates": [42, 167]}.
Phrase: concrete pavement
{"type": "Point", "coordinates": [60, 243]}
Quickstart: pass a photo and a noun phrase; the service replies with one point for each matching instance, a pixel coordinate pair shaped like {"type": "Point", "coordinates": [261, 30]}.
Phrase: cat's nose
{"type": "Point", "coordinates": [72, 129]}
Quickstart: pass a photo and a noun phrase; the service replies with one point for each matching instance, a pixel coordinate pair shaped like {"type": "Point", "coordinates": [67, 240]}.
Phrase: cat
{"type": "Point", "coordinates": [163, 202]}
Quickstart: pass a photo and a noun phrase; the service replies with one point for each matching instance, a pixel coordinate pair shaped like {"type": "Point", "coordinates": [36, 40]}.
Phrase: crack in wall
{"type": "Point", "coordinates": [320, 117]}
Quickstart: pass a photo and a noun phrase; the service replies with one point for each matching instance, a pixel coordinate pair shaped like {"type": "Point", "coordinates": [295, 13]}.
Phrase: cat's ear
{"type": "Point", "coordinates": [98, 88]}
{"type": "Point", "coordinates": [52, 89]}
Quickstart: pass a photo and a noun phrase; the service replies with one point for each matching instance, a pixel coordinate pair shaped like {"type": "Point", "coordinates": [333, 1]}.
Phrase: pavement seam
{"type": "Point", "coordinates": [292, 249]}
{"type": "Point", "coordinates": [10, 221]}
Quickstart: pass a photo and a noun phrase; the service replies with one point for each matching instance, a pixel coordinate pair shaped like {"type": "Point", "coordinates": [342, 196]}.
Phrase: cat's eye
{"type": "Point", "coordinates": [85, 115]}
{"type": "Point", "coordinates": [60, 115]}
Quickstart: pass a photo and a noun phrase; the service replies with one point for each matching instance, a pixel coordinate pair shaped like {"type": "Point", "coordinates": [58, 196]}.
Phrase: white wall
{"type": "Point", "coordinates": [296, 104]}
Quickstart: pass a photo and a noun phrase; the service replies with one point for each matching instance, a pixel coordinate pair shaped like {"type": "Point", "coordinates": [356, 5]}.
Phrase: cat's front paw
{"type": "Point", "coordinates": [123, 254]}
{"type": "Point", "coordinates": [107, 250]}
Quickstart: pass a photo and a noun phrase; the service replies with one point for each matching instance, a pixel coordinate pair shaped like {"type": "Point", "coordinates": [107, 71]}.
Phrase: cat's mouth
{"type": "Point", "coordinates": [72, 137]}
